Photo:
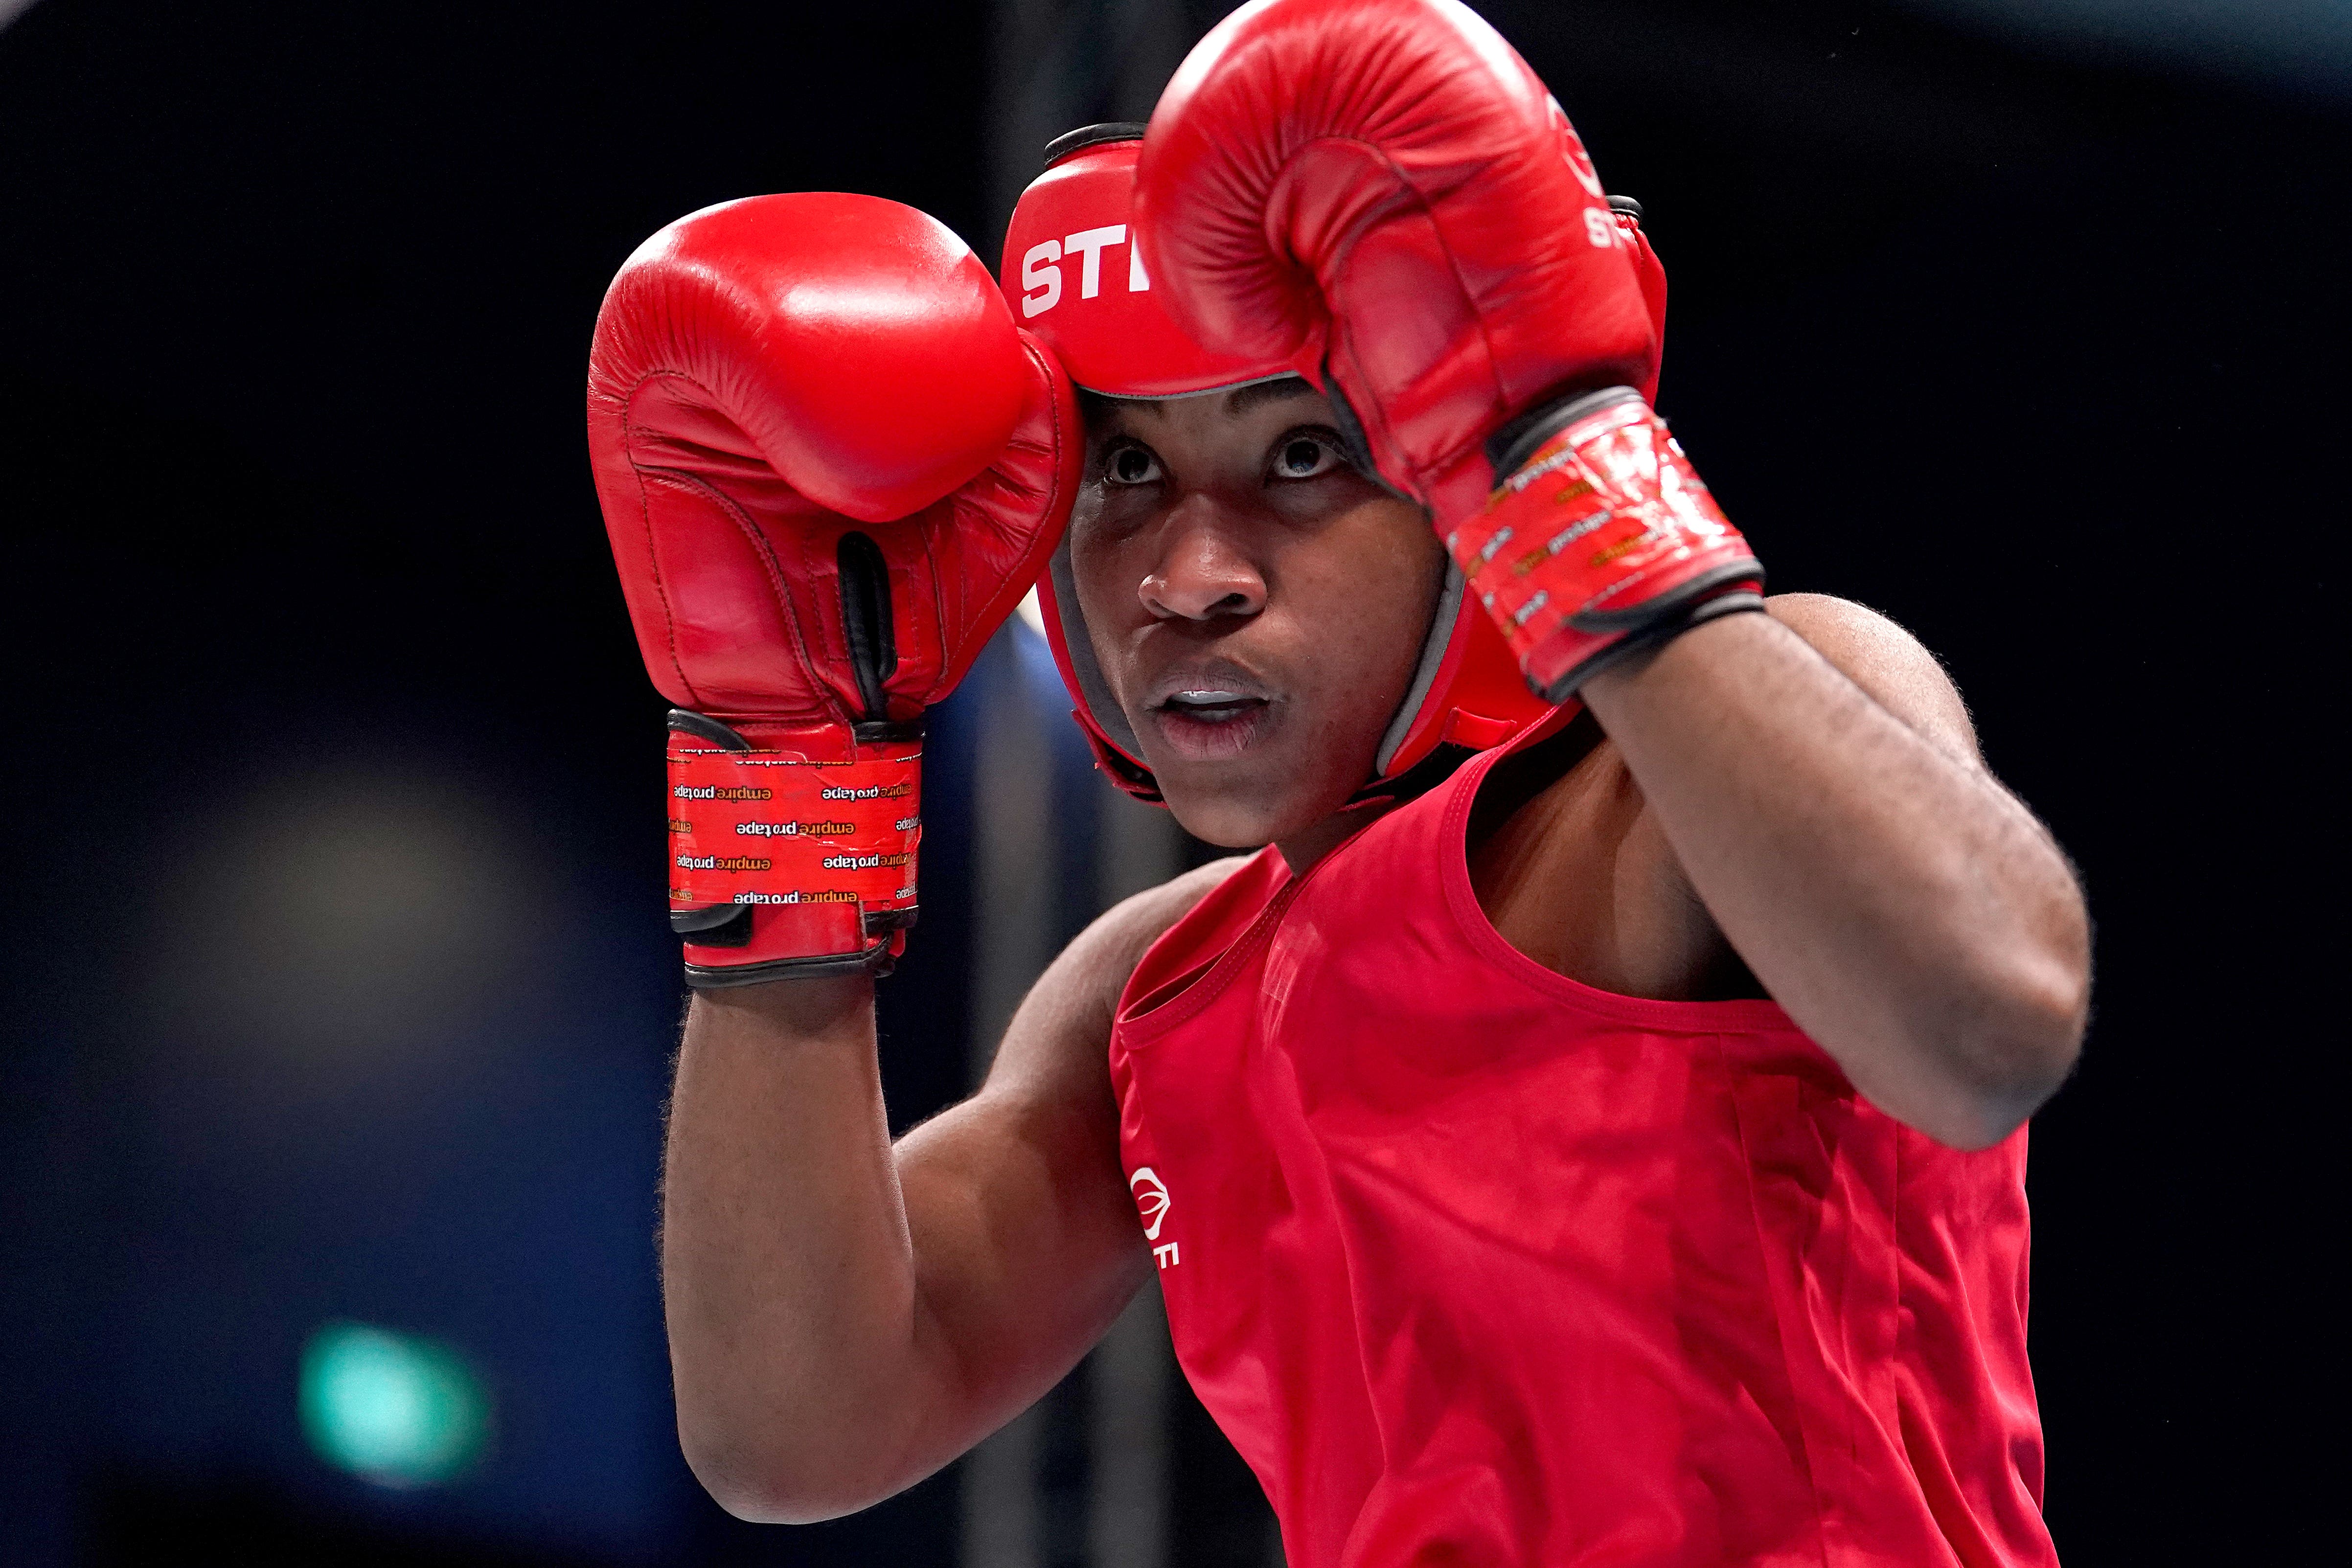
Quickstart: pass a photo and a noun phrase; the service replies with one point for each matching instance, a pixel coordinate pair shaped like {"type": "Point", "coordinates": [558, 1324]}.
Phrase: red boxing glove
{"type": "Point", "coordinates": [1382, 194]}
{"type": "Point", "coordinates": [830, 467]}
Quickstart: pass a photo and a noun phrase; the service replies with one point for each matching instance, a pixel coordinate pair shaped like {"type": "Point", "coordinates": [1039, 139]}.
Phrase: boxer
{"type": "Point", "coordinates": [1591, 1127]}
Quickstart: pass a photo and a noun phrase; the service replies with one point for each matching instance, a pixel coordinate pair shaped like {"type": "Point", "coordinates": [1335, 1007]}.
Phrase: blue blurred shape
{"type": "Point", "coordinates": [391, 1408]}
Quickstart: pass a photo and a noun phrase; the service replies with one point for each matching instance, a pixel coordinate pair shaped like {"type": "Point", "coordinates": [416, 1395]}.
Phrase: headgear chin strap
{"type": "Point", "coordinates": [1076, 277]}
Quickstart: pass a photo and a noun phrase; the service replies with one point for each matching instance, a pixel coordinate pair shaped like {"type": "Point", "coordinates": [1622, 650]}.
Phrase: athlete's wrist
{"type": "Point", "coordinates": [791, 848]}
{"type": "Point", "coordinates": [1630, 680]}
{"type": "Point", "coordinates": [818, 1007]}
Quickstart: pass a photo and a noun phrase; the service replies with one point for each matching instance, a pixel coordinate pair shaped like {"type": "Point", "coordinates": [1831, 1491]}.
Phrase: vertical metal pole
{"type": "Point", "coordinates": [1016, 875]}
{"type": "Point", "coordinates": [1138, 846]}
{"type": "Point", "coordinates": [1057, 64]}
{"type": "Point", "coordinates": [1016, 860]}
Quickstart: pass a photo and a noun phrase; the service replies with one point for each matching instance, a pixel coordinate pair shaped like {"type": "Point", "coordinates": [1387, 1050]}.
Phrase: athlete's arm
{"type": "Point", "coordinates": [846, 1317]}
{"type": "Point", "coordinates": [1817, 779]}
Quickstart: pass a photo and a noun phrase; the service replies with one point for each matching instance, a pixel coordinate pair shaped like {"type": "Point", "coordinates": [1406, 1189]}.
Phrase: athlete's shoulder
{"type": "Point", "coordinates": [1127, 929]}
{"type": "Point", "coordinates": [1063, 1026]}
{"type": "Point", "coordinates": [1882, 658]}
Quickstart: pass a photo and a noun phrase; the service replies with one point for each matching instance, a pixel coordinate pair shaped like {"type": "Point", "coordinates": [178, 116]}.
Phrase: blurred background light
{"type": "Point", "coordinates": [342, 921]}
{"type": "Point", "coordinates": [391, 1408]}
{"type": "Point", "coordinates": [2305, 46]}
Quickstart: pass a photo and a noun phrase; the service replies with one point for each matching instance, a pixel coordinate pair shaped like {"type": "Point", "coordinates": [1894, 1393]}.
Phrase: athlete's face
{"type": "Point", "coordinates": [1257, 606]}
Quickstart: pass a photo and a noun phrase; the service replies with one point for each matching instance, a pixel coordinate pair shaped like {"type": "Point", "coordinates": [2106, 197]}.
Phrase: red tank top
{"type": "Point", "coordinates": [1477, 1265]}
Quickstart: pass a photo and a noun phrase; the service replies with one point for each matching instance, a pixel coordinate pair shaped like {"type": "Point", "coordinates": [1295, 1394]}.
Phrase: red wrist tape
{"type": "Point", "coordinates": [1604, 531]}
{"type": "Point", "coordinates": [820, 851]}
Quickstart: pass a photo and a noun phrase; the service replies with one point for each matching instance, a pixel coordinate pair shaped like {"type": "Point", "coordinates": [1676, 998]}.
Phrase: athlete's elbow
{"type": "Point", "coordinates": [766, 1481]}
{"type": "Point", "coordinates": [2007, 1049]}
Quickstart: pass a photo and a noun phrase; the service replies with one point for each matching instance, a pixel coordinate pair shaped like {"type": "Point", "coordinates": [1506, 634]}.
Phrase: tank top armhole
{"type": "Point", "coordinates": [1743, 1016]}
{"type": "Point", "coordinates": [1160, 996]}
{"type": "Point", "coordinates": [1200, 943]}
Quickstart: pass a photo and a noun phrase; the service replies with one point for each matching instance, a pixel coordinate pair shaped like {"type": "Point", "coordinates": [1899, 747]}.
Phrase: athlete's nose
{"type": "Point", "coordinates": [1202, 572]}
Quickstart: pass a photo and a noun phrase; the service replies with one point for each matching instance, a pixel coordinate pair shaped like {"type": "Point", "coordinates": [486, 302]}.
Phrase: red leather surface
{"type": "Point", "coordinates": [1383, 184]}
{"type": "Point", "coordinates": [1478, 1265]}
{"type": "Point", "coordinates": [1106, 321]}
{"type": "Point", "coordinates": [770, 375]}
{"type": "Point", "coordinates": [767, 375]}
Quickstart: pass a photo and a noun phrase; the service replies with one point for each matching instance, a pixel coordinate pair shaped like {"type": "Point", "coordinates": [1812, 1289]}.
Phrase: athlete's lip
{"type": "Point", "coordinates": [1198, 679]}
{"type": "Point", "coordinates": [1210, 710]}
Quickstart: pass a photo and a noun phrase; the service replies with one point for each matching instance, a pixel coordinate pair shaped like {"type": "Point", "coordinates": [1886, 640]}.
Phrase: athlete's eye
{"type": "Point", "coordinates": [1305, 456]}
{"type": "Point", "coordinates": [1130, 466]}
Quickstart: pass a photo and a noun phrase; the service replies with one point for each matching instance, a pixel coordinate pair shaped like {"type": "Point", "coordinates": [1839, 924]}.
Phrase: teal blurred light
{"type": "Point", "coordinates": [389, 1407]}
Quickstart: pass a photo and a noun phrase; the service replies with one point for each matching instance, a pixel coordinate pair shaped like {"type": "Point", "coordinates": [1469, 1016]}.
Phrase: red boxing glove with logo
{"type": "Point", "coordinates": [830, 467]}
{"type": "Point", "coordinates": [1381, 194]}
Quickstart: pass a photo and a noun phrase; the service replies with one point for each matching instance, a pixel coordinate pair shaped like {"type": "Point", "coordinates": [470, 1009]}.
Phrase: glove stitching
{"type": "Point", "coordinates": [750, 531]}
{"type": "Point", "coordinates": [1420, 201]}
{"type": "Point", "coordinates": [645, 514]}
{"type": "Point", "coordinates": [758, 539]}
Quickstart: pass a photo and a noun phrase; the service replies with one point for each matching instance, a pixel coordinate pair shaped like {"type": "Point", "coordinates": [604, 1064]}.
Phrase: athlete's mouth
{"type": "Point", "coordinates": [1210, 704]}
{"type": "Point", "coordinates": [1210, 715]}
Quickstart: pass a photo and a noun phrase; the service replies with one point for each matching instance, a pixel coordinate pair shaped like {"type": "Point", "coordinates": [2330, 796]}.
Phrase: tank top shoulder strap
{"type": "Point", "coordinates": [1430, 828]}
{"type": "Point", "coordinates": [1400, 862]}
{"type": "Point", "coordinates": [1191, 948]}
{"type": "Point", "coordinates": [1406, 854]}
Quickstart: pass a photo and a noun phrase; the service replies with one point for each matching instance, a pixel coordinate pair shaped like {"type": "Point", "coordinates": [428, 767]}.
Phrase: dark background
{"type": "Point", "coordinates": [2033, 339]}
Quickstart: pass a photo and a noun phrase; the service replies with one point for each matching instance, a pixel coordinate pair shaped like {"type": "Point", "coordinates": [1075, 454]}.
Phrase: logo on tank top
{"type": "Point", "coordinates": [1151, 1203]}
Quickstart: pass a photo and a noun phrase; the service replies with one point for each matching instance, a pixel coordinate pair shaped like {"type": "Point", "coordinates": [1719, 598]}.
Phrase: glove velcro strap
{"type": "Point", "coordinates": [1601, 534]}
{"type": "Point", "coordinates": [783, 864]}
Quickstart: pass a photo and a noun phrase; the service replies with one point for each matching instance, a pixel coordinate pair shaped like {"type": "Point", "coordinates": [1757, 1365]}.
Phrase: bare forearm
{"type": "Point", "coordinates": [788, 1278]}
{"type": "Point", "coordinates": [1907, 912]}
{"type": "Point", "coordinates": [844, 1316]}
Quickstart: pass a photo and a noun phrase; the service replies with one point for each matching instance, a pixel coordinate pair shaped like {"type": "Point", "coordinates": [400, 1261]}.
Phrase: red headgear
{"type": "Point", "coordinates": [1076, 277]}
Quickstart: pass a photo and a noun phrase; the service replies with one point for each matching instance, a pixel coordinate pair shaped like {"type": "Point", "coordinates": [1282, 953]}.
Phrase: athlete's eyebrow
{"type": "Point", "coordinates": [1241, 400]}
